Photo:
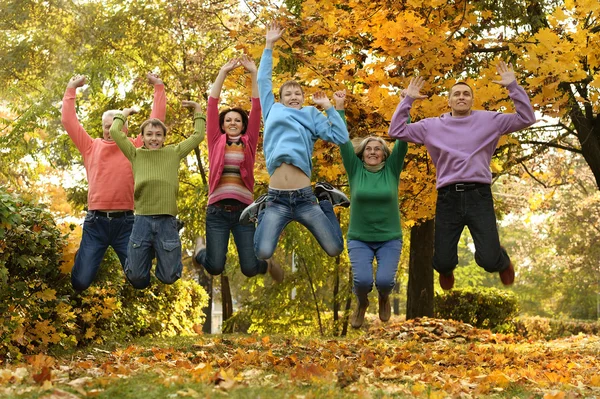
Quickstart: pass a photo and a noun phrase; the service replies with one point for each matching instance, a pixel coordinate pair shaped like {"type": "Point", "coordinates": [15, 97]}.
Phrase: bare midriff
{"type": "Point", "coordinates": [288, 177]}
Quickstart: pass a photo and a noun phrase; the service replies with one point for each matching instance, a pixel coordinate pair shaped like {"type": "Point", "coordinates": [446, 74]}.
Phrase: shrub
{"type": "Point", "coordinates": [481, 307]}
{"type": "Point", "coordinates": [545, 328]}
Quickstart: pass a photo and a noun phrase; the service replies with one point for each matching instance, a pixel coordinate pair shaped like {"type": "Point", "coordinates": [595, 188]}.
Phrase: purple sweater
{"type": "Point", "coordinates": [461, 148]}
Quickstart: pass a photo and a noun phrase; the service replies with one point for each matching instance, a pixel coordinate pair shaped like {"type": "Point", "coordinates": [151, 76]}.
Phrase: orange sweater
{"type": "Point", "coordinates": [109, 174]}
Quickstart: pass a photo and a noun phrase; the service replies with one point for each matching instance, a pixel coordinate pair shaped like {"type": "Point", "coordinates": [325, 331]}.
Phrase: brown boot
{"type": "Point", "coordinates": [507, 276]}
{"type": "Point", "coordinates": [200, 245]}
{"type": "Point", "coordinates": [385, 307]}
{"type": "Point", "coordinates": [358, 317]}
{"type": "Point", "coordinates": [275, 270]}
{"type": "Point", "coordinates": [447, 281]}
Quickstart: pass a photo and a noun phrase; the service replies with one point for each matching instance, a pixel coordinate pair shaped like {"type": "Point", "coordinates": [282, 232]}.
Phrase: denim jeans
{"type": "Point", "coordinates": [284, 206]}
{"type": "Point", "coordinates": [361, 255]}
{"type": "Point", "coordinates": [99, 232]}
{"type": "Point", "coordinates": [153, 236]}
{"type": "Point", "coordinates": [219, 224]}
{"type": "Point", "coordinates": [474, 209]}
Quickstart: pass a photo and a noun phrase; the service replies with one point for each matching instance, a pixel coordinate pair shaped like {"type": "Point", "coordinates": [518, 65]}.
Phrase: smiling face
{"type": "Point", "coordinates": [373, 153]}
{"type": "Point", "coordinates": [233, 124]}
{"type": "Point", "coordinates": [153, 136]}
{"type": "Point", "coordinates": [460, 99]}
{"type": "Point", "coordinates": [291, 95]}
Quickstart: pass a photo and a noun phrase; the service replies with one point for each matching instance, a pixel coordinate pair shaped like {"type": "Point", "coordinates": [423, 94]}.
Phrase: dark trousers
{"type": "Point", "coordinates": [473, 208]}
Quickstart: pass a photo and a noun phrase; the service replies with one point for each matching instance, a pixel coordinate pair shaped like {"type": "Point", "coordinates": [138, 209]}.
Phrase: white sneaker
{"type": "Point", "coordinates": [334, 195]}
{"type": "Point", "coordinates": [250, 214]}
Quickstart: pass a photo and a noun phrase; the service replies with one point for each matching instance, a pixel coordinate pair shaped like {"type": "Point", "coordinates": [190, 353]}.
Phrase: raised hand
{"type": "Point", "coordinates": [192, 104]}
{"type": "Point", "coordinates": [506, 72]}
{"type": "Point", "coordinates": [248, 64]}
{"type": "Point", "coordinates": [414, 88]}
{"type": "Point", "coordinates": [320, 98]}
{"type": "Point", "coordinates": [76, 81]}
{"type": "Point", "coordinates": [339, 97]}
{"type": "Point", "coordinates": [230, 65]}
{"type": "Point", "coordinates": [130, 111]}
{"type": "Point", "coordinates": [153, 79]}
{"type": "Point", "coordinates": [274, 33]}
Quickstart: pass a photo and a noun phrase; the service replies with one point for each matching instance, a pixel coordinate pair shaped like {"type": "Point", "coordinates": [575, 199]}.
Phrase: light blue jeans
{"type": "Point", "coordinates": [285, 206]}
{"type": "Point", "coordinates": [153, 236]}
{"type": "Point", "coordinates": [362, 254]}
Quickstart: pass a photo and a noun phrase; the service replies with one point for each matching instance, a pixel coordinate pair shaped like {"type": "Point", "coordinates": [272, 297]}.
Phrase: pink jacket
{"type": "Point", "coordinates": [217, 142]}
{"type": "Point", "coordinates": [109, 174]}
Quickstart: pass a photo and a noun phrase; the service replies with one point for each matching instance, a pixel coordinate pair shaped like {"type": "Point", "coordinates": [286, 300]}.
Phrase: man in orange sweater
{"type": "Point", "coordinates": [109, 219]}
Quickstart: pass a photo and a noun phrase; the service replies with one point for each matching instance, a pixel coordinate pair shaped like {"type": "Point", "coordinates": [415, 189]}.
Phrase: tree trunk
{"type": "Point", "coordinates": [226, 300]}
{"type": "Point", "coordinates": [336, 299]}
{"type": "Point", "coordinates": [205, 280]}
{"type": "Point", "coordinates": [396, 302]}
{"type": "Point", "coordinates": [420, 272]}
{"type": "Point", "coordinates": [348, 305]}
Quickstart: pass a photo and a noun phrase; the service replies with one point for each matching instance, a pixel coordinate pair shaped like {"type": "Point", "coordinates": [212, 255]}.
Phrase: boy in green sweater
{"type": "Point", "coordinates": [156, 177]}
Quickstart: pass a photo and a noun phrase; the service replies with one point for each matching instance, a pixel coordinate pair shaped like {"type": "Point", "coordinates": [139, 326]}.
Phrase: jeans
{"type": "Point", "coordinates": [474, 209]}
{"type": "Point", "coordinates": [284, 206]}
{"type": "Point", "coordinates": [99, 232]}
{"type": "Point", "coordinates": [219, 224]}
{"type": "Point", "coordinates": [153, 236]}
{"type": "Point", "coordinates": [361, 255]}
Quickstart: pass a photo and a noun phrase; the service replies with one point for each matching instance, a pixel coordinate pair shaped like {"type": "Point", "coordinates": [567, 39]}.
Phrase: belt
{"type": "Point", "coordinates": [230, 208]}
{"type": "Point", "coordinates": [113, 215]}
{"type": "Point", "coordinates": [464, 186]}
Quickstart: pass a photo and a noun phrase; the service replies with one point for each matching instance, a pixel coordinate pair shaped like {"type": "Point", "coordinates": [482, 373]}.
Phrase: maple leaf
{"type": "Point", "coordinates": [45, 374]}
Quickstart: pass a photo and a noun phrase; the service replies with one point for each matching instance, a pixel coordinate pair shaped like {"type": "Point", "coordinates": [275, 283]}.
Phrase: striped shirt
{"type": "Point", "coordinates": [231, 185]}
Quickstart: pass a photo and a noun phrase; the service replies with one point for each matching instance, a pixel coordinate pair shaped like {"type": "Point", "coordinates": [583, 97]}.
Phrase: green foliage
{"type": "Point", "coordinates": [39, 308]}
{"type": "Point", "coordinates": [545, 328]}
{"type": "Point", "coordinates": [481, 307]}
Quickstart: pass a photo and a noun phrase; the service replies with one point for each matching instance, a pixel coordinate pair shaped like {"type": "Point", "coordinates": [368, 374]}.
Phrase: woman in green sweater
{"type": "Point", "coordinates": [156, 183]}
{"type": "Point", "coordinates": [374, 232]}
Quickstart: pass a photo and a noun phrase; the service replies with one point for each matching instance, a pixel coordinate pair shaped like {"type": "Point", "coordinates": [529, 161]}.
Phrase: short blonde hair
{"type": "Point", "coordinates": [292, 84]}
{"type": "Point", "coordinates": [359, 149]}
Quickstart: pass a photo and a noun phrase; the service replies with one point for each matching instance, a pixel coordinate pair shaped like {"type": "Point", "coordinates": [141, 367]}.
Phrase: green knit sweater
{"type": "Point", "coordinates": [156, 172]}
{"type": "Point", "coordinates": [374, 213]}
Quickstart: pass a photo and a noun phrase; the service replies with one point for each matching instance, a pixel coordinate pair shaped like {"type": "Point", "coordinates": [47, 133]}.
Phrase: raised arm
{"type": "Point", "coordinates": [119, 136]}
{"type": "Point", "coordinates": [215, 90]}
{"type": "Point", "coordinates": [265, 69]}
{"type": "Point", "coordinates": [250, 67]}
{"type": "Point", "coordinates": [399, 126]}
{"type": "Point", "coordinates": [69, 119]}
{"type": "Point", "coordinates": [525, 116]}
{"type": "Point", "coordinates": [253, 128]}
{"type": "Point", "coordinates": [187, 145]}
{"type": "Point", "coordinates": [332, 128]}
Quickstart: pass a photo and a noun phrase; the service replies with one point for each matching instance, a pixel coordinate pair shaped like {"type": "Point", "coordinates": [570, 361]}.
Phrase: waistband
{"type": "Point", "coordinates": [308, 190]}
{"type": "Point", "coordinates": [230, 205]}
{"type": "Point", "coordinates": [113, 215]}
{"type": "Point", "coordinates": [463, 186]}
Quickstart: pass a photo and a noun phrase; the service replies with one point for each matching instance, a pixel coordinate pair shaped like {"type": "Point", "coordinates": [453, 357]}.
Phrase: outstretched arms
{"type": "Point", "coordinates": [194, 140]}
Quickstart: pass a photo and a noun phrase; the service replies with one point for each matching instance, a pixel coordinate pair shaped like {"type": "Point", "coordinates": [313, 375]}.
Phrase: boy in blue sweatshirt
{"type": "Point", "coordinates": [290, 133]}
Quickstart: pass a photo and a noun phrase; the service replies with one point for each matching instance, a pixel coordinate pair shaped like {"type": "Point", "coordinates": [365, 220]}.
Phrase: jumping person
{"type": "Point", "coordinates": [461, 144]}
{"type": "Point", "coordinates": [232, 138]}
{"type": "Point", "coordinates": [156, 175]}
{"type": "Point", "coordinates": [374, 231]}
{"type": "Point", "coordinates": [109, 218]}
{"type": "Point", "coordinates": [290, 133]}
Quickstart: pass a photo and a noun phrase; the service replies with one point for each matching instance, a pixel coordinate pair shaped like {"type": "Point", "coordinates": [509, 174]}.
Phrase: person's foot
{"type": "Point", "coordinates": [200, 245]}
{"type": "Point", "coordinates": [324, 190]}
{"type": "Point", "coordinates": [507, 276]}
{"type": "Point", "coordinates": [358, 317]}
{"type": "Point", "coordinates": [385, 307]}
{"type": "Point", "coordinates": [250, 214]}
{"type": "Point", "coordinates": [447, 281]}
{"type": "Point", "coordinates": [275, 270]}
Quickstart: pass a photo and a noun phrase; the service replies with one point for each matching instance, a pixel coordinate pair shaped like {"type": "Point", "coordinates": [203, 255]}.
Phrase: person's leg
{"type": "Point", "coordinates": [94, 242]}
{"type": "Point", "coordinates": [218, 226]}
{"type": "Point", "coordinates": [388, 257]}
{"type": "Point", "coordinates": [361, 256]}
{"type": "Point", "coordinates": [167, 246]}
{"type": "Point", "coordinates": [140, 253]}
{"type": "Point", "coordinates": [319, 219]}
{"type": "Point", "coordinates": [449, 224]}
{"type": "Point", "coordinates": [120, 232]}
{"type": "Point", "coordinates": [243, 236]}
{"type": "Point", "coordinates": [481, 221]}
{"type": "Point", "coordinates": [271, 222]}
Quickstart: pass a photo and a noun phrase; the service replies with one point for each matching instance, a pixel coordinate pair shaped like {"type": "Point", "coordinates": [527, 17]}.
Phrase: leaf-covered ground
{"type": "Point", "coordinates": [425, 358]}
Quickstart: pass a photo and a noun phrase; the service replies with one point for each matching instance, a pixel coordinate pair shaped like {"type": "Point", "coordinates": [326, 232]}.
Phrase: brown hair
{"type": "Point", "coordinates": [240, 111]}
{"type": "Point", "coordinates": [154, 122]}
{"type": "Point", "coordinates": [289, 83]}
{"type": "Point", "coordinates": [459, 83]}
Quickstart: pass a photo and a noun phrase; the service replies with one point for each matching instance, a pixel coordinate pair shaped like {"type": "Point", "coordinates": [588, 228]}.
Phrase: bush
{"type": "Point", "coordinates": [545, 328]}
{"type": "Point", "coordinates": [40, 310]}
{"type": "Point", "coordinates": [488, 308]}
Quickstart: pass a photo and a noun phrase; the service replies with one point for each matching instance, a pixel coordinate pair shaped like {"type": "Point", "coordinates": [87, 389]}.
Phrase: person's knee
{"type": "Point", "coordinates": [385, 286]}
{"type": "Point", "coordinates": [443, 267]}
{"type": "Point", "coordinates": [363, 286]}
{"type": "Point", "coordinates": [263, 252]}
{"type": "Point", "coordinates": [212, 268]}
{"type": "Point", "coordinates": [334, 250]}
{"type": "Point", "coordinates": [169, 279]}
{"type": "Point", "coordinates": [79, 284]}
{"type": "Point", "coordinates": [491, 264]}
{"type": "Point", "coordinates": [138, 279]}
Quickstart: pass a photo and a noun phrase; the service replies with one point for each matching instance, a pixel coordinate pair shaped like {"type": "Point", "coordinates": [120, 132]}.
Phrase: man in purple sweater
{"type": "Point", "coordinates": [461, 144]}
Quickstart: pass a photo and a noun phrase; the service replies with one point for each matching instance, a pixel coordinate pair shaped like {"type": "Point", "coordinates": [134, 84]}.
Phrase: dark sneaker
{"type": "Point", "coordinates": [250, 214]}
{"type": "Point", "coordinates": [324, 190]}
{"type": "Point", "coordinates": [275, 270]}
{"type": "Point", "coordinates": [385, 307]}
{"type": "Point", "coordinates": [200, 245]}
{"type": "Point", "coordinates": [447, 281]}
{"type": "Point", "coordinates": [358, 317]}
{"type": "Point", "coordinates": [507, 276]}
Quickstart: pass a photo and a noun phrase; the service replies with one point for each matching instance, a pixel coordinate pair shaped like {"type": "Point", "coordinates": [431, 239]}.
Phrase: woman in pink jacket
{"type": "Point", "coordinates": [232, 137]}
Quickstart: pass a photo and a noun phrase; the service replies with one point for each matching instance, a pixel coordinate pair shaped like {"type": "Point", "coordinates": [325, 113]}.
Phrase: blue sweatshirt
{"type": "Point", "coordinates": [290, 134]}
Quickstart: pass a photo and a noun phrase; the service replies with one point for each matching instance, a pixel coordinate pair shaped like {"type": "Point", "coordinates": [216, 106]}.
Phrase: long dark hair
{"type": "Point", "coordinates": [240, 111]}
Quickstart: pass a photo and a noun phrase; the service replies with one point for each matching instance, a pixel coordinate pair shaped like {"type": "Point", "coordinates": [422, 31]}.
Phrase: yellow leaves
{"type": "Point", "coordinates": [46, 295]}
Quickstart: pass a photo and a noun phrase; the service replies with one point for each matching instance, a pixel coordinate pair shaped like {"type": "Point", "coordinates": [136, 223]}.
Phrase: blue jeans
{"type": "Point", "coordinates": [284, 206]}
{"type": "Point", "coordinates": [153, 236]}
{"type": "Point", "coordinates": [99, 232]}
{"type": "Point", "coordinates": [474, 209]}
{"type": "Point", "coordinates": [361, 255]}
{"type": "Point", "coordinates": [219, 223]}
